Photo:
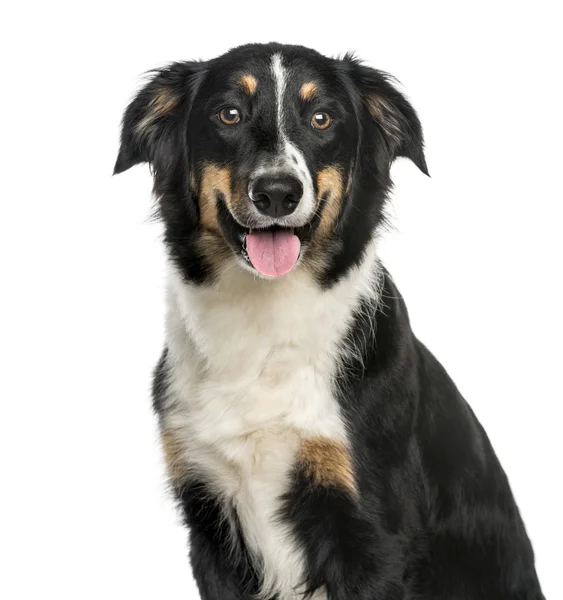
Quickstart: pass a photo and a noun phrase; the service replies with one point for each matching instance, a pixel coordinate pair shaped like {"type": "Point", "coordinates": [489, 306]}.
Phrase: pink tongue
{"type": "Point", "coordinates": [273, 253]}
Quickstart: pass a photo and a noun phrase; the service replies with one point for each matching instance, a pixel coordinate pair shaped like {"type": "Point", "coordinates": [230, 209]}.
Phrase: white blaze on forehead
{"type": "Point", "coordinates": [280, 79]}
{"type": "Point", "coordinates": [289, 158]}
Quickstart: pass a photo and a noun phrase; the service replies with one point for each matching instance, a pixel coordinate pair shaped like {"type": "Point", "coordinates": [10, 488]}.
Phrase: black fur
{"type": "Point", "coordinates": [190, 135]}
{"type": "Point", "coordinates": [435, 518]}
{"type": "Point", "coordinates": [436, 513]}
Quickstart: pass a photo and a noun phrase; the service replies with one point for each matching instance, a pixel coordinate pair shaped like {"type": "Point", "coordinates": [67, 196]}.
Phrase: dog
{"type": "Point", "coordinates": [315, 447]}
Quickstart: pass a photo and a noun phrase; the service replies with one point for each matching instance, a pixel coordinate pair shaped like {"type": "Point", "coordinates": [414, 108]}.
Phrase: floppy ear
{"type": "Point", "coordinates": [393, 114]}
{"type": "Point", "coordinates": [148, 127]}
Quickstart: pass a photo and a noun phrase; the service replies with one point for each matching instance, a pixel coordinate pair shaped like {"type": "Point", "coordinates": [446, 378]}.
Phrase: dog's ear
{"type": "Point", "coordinates": [149, 123]}
{"type": "Point", "coordinates": [392, 113]}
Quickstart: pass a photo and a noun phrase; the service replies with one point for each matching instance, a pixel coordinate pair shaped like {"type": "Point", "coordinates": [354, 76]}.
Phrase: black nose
{"type": "Point", "coordinates": [276, 195]}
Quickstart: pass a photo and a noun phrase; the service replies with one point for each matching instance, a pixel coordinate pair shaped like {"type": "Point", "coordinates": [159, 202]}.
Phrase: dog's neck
{"type": "Point", "coordinates": [241, 319]}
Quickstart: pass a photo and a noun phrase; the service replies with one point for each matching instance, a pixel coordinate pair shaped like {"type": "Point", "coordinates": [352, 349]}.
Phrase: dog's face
{"type": "Point", "coordinates": [274, 156]}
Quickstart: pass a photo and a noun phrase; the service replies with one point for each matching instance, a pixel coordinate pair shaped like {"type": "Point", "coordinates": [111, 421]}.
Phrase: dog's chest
{"type": "Point", "coordinates": [252, 378]}
{"type": "Point", "coordinates": [253, 366]}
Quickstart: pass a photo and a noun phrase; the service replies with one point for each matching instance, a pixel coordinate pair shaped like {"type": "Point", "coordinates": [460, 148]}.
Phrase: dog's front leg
{"type": "Point", "coordinates": [220, 563]}
{"type": "Point", "coordinates": [347, 551]}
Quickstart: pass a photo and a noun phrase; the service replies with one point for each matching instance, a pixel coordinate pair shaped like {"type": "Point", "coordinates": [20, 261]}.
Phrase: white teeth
{"type": "Point", "coordinates": [244, 252]}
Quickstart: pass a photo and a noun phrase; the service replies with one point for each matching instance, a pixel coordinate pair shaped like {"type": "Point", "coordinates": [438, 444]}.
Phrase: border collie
{"type": "Point", "coordinates": [316, 448]}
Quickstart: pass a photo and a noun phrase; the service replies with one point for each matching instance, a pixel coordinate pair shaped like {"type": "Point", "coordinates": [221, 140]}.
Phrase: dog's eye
{"type": "Point", "coordinates": [230, 115]}
{"type": "Point", "coordinates": [321, 120]}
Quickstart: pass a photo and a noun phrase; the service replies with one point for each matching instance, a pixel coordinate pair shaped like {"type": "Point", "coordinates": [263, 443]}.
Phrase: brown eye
{"type": "Point", "coordinates": [321, 120]}
{"type": "Point", "coordinates": [229, 115]}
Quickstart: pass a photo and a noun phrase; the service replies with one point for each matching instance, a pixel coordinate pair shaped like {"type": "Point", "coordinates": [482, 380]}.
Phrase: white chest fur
{"type": "Point", "coordinates": [253, 363]}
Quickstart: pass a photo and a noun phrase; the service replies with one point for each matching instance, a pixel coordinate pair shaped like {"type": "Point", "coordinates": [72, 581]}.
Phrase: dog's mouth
{"type": "Point", "coordinates": [273, 252]}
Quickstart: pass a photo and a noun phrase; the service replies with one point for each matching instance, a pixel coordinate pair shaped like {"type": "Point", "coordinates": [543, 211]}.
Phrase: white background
{"type": "Point", "coordinates": [476, 252]}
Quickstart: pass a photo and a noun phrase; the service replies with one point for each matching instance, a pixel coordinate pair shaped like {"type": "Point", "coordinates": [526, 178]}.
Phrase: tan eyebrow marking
{"type": "Point", "coordinates": [308, 91]}
{"type": "Point", "coordinates": [248, 83]}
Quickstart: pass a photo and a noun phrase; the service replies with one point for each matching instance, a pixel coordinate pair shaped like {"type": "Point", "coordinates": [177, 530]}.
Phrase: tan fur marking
{"type": "Point", "coordinates": [214, 180]}
{"type": "Point", "coordinates": [383, 112]}
{"type": "Point", "coordinates": [173, 456]}
{"type": "Point", "coordinates": [327, 462]}
{"type": "Point", "coordinates": [308, 90]}
{"type": "Point", "coordinates": [214, 248]}
{"type": "Point", "coordinates": [330, 186]}
{"type": "Point", "coordinates": [238, 199]}
{"type": "Point", "coordinates": [163, 102]}
{"type": "Point", "coordinates": [249, 84]}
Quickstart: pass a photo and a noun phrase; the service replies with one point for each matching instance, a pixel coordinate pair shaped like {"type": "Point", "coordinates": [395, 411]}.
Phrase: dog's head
{"type": "Point", "coordinates": [273, 156]}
